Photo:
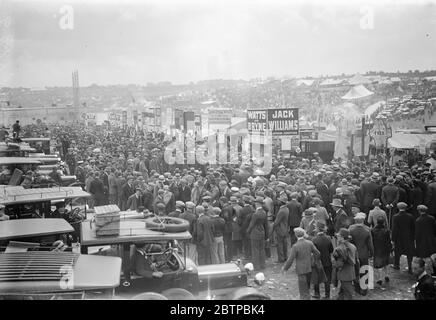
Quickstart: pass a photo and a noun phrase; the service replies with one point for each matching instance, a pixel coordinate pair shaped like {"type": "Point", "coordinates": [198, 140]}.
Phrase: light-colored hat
{"type": "Point", "coordinates": [299, 232]}
{"type": "Point", "coordinates": [401, 205]}
{"type": "Point", "coordinates": [336, 203]}
{"type": "Point", "coordinates": [360, 216]}
{"type": "Point", "coordinates": [190, 204]}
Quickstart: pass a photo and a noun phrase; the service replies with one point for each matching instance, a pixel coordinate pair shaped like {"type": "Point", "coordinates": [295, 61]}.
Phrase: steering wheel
{"type": "Point", "coordinates": [168, 254]}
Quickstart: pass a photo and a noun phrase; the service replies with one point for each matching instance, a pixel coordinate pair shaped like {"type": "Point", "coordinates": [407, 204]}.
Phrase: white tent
{"type": "Point", "coordinates": [357, 92]}
{"type": "Point", "coordinates": [358, 79]}
{"type": "Point", "coordinates": [373, 108]}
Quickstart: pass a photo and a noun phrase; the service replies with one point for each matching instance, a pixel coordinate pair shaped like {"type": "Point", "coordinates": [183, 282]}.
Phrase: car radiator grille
{"type": "Point", "coordinates": [37, 266]}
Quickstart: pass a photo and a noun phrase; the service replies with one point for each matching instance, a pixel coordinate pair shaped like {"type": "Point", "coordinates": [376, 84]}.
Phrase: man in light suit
{"type": "Point", "coordinates": [302, 252]}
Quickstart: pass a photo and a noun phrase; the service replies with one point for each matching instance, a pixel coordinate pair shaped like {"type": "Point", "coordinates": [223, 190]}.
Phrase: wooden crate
{"type": "Point", "coordinates": [107, 220]}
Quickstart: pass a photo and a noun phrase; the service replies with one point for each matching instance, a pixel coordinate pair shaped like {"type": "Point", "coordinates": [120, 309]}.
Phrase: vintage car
{"type": "Point", "coordinates": [182, 278]}
{"type": "Point", "coordinates": [32, 266]}
{"type": "Point", "coordinates": [38, 202]}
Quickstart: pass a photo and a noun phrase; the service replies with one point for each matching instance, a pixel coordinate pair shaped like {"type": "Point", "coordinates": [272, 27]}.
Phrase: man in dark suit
{"type": "Point", "coordinates": [403, 236]}
{"type": "Point", "coordinates": [325, 246]}
{"type": "Point", "coordinates": [244, 221]}
{"type": "Point", "coordinates": [390, 194]}
{"type": "Point", "coordinates": [135, 200]}
{"type": "Point", "coordinates": [341, 219]}
{"type": "Point", "coordinates": [281, 229]}
{"type": "Point", "coordinates": [205, 236]}
{"type": "Point", "coordinates": [258, 233]}
{"type": "Point", "coordinates": [126, 191]}
{"type": "Point", "coordinates": [295, 214]}
{"type": "Point", "coordinates": [425, 234]}
{"type": "Point", "coordinates": [184, 192]}
{"type": "Point", "coordinates": [425, 287]}
{"type": "Point", "coordinates": [431, 196]}
{"type": "Point", "coordinates": [97, 190]}
{"type": "Point", "coordinates": [302, 252]}
{"type": "Point", "coordinates": [362, 239]}
{"type": "Point", "coordinates": [369, 191]}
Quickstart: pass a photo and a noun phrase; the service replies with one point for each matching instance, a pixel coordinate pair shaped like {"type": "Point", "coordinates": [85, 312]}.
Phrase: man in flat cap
{"type": "Point", "coordinates": [390, 197]}
{"type": "Point", "coordinates": [244, 221]}
{"type": "Point", "coordinates": [190, 216]}
{"type": "Point", "coordinates": [302, 252]}
{"type": "Point", "coordinates": [425, 235]}
{"type": "Point", "coordinates": [403, 236]}
{"type": "Point", "coordinates": [344, 261]}
{"type": "Point", "coordinates": [281, 229]}
{"type": "Point", "coordinates": [369, 191]}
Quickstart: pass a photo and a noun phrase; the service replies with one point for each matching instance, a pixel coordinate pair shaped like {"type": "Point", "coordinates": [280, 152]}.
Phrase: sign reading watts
{"type": "Point", "coordinates": [278, 121]}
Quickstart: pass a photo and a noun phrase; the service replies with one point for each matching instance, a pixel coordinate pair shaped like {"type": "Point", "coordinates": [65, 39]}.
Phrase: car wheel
{"type": "Point", "coordinates": [178, 294]}
{"type": "Point", "coordinates": [149, 296]}
{"type": "Point", "coordinates": [248, 293]}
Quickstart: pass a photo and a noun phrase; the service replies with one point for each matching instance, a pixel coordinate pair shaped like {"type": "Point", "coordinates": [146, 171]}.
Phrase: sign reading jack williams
{"type": "Point", "coordinates": [283, 122]}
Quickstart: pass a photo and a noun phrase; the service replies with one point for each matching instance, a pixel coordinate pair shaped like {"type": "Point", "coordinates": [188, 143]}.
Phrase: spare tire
{"type": "Point", "coordinates": [149, 296]}
{"type": "Point", "coordinates": [178, 294]}
{"type": "Point", "coordinates": [167, 224]}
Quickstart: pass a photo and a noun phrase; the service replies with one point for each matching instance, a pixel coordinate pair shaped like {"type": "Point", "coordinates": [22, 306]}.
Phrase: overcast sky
{"type": "Point", "coordinates": [162, 41]}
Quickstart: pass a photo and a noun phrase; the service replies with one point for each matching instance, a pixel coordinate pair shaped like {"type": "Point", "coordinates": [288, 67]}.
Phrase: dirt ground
{"type": "Point", "coordinates": [285, 287]}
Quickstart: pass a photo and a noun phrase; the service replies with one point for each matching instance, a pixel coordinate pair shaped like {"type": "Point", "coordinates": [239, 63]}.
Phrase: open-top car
{"type": "Point", "coordinates": [167, 268]}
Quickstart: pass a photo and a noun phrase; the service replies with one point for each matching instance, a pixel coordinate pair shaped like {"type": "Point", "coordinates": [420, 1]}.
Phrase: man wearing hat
{"type": "Point", "coordinates": [295, 215]}
{"type": "Point", "coordinates": [362, 239]}
{"type": "Point", "coordinates": [281, 229]}
{"type": "Point", "coordinates": [184, 192]}
{"type": "Point", "coordinates": [325, 246]}
{"type": "Point", "coordinates": [302, 252]}
{"type": "Point", "coordinates": [308, 221]}
{"type": "Point", "coordinates": [180, 206]}
{"type": "Point", "coordinates": [376, 214]}
{"type": "Point", "coordinates": [236, 227]}
{"type": "Point", "coordinates": [403, 236]}
{"type": "Point", "coordinates": [135, 200]}
{"type": "Point", "coordinates": [245, 218]}
{"type": "Point", "coordinates": [341, 219]}
{"type": "Point", "coordinates": [258, 234]}
{"type": "Point", "coordinates": [390, 196]}
{"type": "Point", "coordinates": [425, 235]}
{"type": "Point", "coordinates": [190, 216]}
{"type": "Point", "coordinates": [369, 191]}
{"type": "Point", "coordinates": [344, 261]}
{"type": "Point", "coordinates": [218, 250]}
{"type": "Point", "coordinates": [126, 191]}
{"type": "Point", "coordinates": [205, 236]}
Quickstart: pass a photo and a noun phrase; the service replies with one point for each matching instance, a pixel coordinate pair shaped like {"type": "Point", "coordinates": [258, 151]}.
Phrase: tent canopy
{"type": "Point", "coordinates": [357, 92]}
{"type": "Point", "coordinates": [373, 108]}
{"type": "Point", "coordinates": [410, 140]}
{"type": "Point", "coordinates": [358, 79]}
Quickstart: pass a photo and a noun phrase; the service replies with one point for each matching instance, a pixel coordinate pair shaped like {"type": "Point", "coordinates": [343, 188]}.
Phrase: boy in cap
{"type": "Point", "coordinates": [301, 253]}
{"type": "Point", "coordinates": [219, 223]}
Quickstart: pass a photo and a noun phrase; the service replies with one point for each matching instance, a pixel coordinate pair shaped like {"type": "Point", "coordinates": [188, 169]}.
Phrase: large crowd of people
{"type": "Point", "coordinates": [334, 217]}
